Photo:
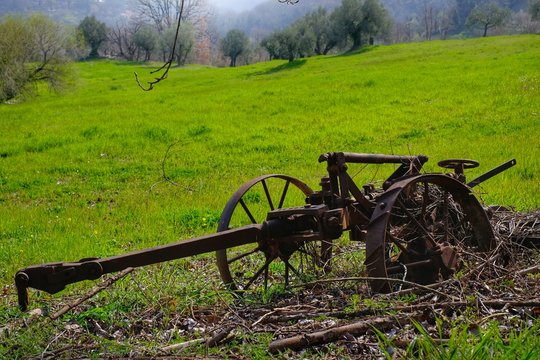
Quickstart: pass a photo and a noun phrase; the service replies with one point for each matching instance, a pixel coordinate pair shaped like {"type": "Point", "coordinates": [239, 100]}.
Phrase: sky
{"type": "Point", "coordinates": [236, 5]}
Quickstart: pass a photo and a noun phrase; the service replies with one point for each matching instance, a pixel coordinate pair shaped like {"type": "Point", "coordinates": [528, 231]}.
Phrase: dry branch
{"type": "Point", "coordinates": [333, 334]}
{"type": "Point", "coordinates": [91, 293]}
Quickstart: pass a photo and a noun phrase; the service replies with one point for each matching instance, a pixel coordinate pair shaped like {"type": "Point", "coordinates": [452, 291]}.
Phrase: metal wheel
{"type": "Point", "coordinates": [263, 264]}
{"type": "Point", "coordinates": [421, 229]}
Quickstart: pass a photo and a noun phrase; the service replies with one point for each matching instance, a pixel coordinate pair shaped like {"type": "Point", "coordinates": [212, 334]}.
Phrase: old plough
{"type": "Point", "coordinates": [414, 226]}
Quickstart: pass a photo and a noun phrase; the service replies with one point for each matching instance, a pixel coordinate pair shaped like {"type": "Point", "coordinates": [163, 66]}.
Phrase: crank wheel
{"type": "Point", "coordinates": [421, 228]}
{"type": "Point", "coordinates": [260, 265]}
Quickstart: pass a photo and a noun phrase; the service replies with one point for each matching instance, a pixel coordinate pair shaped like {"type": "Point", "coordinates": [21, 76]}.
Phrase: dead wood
{"type": "Point", "coordinates": [333, 334]}
{"type": "Point", "coordinates": [105, 284]}
{"type": "Point", "coordinates": [220, 336]}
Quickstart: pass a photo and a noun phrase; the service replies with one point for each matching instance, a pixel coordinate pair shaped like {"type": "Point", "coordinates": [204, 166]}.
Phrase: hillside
{"type": "Point", "coordinates": [105, 168]}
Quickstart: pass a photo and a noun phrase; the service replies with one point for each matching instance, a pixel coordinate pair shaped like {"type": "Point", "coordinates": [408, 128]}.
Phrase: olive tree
{"type": "Point", "coordinates": [146, 40]}
{"type": "Point", "coordinates": [94, 33]}
{"type": "Point", "coordinates": [184, 43]}
{"type": "Point", "coordinates": [32, 51]}
{"type": "Point", "coordinates": [234, 44]}
{"type": "Point", "coordinates": [323, 30]}
{"type": "Point", "coordinates": [487, 16]}
{"type": "Point", "coordinates": [290, 43]}
{"type": "Point", "coordinates": [361, 21]}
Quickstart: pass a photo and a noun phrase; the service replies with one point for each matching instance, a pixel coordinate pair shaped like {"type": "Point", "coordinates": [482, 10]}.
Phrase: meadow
{"type": "Point", "coordinates": [82, 172]}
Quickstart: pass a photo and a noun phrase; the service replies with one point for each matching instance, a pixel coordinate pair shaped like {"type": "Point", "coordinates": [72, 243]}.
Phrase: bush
{"type": "Point", "coordinates": [32, 50]}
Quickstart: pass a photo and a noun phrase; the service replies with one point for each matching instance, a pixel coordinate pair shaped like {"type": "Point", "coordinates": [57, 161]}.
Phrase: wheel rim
{"type": "Point", "coordinates": [414, 220]}
{"type": "Point", "coordinates": [261, 265]}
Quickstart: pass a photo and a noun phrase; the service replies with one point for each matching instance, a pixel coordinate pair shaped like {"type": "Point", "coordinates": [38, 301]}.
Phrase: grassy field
{"type": "Point", "coordinates": [81, 172]}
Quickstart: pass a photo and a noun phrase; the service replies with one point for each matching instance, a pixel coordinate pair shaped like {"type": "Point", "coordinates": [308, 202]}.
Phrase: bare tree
{"type": "Point", "coordinates": [164, 13]}
{"type": "Point", "coordinates": [429, 20]}
{"type": "Point", "coordinates": [444, 21]}
{"type": "Point", "coordinates": [121, 37]}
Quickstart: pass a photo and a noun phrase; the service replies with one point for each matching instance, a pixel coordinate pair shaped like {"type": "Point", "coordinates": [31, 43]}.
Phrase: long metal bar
{"type": "Point", "coordinates": [491, 173]}
{"type": "Point", "coordinates": [53, 277]}
{"type": "Point", "coordinates": [199, 245]}
{"type": "Point", "coordinates": [379, 158]}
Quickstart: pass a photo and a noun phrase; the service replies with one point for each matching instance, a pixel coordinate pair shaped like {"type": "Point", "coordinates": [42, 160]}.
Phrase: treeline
{"type": "Point", "coordinates": [353, 24]}
{"type": "Point", "coordinates": [359, 22]}
{"type": "Point", "coordinates": [416, 20]}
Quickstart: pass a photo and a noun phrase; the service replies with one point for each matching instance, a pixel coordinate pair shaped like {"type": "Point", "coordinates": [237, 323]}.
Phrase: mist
{"type": "Point", "coordinates": [235, 5]}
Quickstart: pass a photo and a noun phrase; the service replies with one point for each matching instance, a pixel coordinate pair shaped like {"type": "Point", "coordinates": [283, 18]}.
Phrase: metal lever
{"type": "Point", "coordinates": [491, 173]}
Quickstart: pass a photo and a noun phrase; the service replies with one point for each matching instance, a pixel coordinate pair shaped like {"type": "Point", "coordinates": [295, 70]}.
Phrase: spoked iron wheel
{"type": "Point", "coordinates": [420, 229]}
{"type": "Point", "coordinates": [261, 265]}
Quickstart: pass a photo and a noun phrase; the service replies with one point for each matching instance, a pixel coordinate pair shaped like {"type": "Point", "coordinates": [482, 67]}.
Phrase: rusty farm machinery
{"type": "Point", "coordinates": [414, 227]}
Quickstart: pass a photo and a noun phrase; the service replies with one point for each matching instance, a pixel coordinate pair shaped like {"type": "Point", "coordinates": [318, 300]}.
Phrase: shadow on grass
{"type": "Point", "coordinates": [288, 66]}
{"type": "Point", "coordinates": [362, 50]}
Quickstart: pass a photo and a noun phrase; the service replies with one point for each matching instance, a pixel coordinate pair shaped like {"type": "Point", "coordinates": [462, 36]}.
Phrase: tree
{"type": "Point", "coordinates": [534, 9]}
{"type": "Point", "coordinates": [361, 19]}
{"type": "Point", "coordinates": [375, 20]}
{"type": "Point", "coordinates": [323, 29]}
{"type": "Point", "coordinates": [94, 33]}
{"type": "Point", "coordinates": [121, 37]}
{"type": "Point", "coordinates": [146, 39]}
{"type": "Point", "coordinates": [290, 43]}
{"type": "Point", "coordinates": [348, 17]}
{"type": "Point", "coordinates": [487, 16]}
{"type": "Point", "coordinates": [164, 13]}
{"type": "Point", "coordinates": [272, 46]}
{"type": "Point", "coordinates": [428, 17]}
{"type": "Point", "coordinates": [444, 22]}
{"type": "Point", "coordinates": [32, 51]}
{"type": "Point", "coordinates": [184, 44]}
{"type": "Point", "coordinates": [234, 44]}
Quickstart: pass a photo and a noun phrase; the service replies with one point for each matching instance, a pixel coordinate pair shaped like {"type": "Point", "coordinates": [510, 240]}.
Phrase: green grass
{"type": "Point", "coordinates": [81, 172]}
{"type": "Point", "coordinates": [468, 341]}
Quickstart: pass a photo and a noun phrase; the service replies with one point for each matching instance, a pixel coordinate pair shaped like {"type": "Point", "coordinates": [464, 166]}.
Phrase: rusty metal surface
{"type": "Point", "coordinates": [412, 226]}
{"type": "Point", "coordinates": [379, 232]}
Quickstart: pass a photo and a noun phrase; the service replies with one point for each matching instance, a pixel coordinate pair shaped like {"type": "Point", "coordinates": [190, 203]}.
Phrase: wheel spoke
{"type": "Point", "coordinates": [244, 206]}
{"type": "Point", "coordinates": [284, 194]}
{"type": "Point", "coordinates": [238, 257]}
{"type": "Point", "coordinates": [258, 273]}
{"type": "Point", "coordinates": [445, 217]}
{"type": "Point", "coordinates": [402, 247]}
{"type": "Point", "coordinates": [268, 197]}
{"type": "Point", "coordinates": [425, 199]}
{"type": "Point", "coordinates": [417, 223]}
{"type": "Point", "coordinates": [289, 266]}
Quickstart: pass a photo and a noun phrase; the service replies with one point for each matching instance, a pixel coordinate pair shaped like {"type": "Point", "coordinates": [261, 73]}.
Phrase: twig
{"type": "Point", "coordinates": [49, 344]}
{"type": "Point", "coordinates": [210, 342]}
{"type": "Point", "coordinates": [532, 270]}
{"type": "Point", "coordinates": [91, 293]}
{"type": "Point", "coordinates": [182, 345]}
{"type": "Point", "coordinates": [261, 319]}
